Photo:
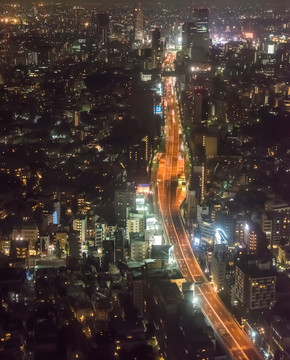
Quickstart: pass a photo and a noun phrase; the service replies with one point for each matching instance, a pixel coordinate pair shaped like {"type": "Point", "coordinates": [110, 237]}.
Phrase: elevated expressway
{"type": "Point", "coordinates": [170, 196]}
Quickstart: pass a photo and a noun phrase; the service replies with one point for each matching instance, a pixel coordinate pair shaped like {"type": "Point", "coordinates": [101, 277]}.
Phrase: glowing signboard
{"type": "Point", "coordinates": [143, 189]}
{"type": "Point", "coordinates": [158, 109]}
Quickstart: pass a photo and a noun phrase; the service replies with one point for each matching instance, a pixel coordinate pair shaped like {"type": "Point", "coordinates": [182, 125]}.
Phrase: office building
{"type": "Point", "coordinates": [284, 255]}
{"type": "Point", "coordinates": [135, 224]}
{"type": "Point", "coordinates": [139, 250]}
{"type": "Point", "coordinates": [19, 249]}
{"type": "Point", "coordinates": [201, 20]}
{"type": "Point", "coordinates": [253, 237]}
{"type": "Point", "coordinates": [124, 198]}
{"type": "Point", "coordinates": [157, 48]}
{"type": "Point", "coordinates": [138, 292]}
{"type": "Point", "coordinates": [119, 238]}
{"type": "Point", "coordinates": [226, 222]}
{"type": "Point", "coordinates": [188, 34]}
{"type": "Point", "coordinates": [100, 232]}
{"type": "Point", "coordinates": [195, 36]}
{"type": "Point", "coordinates": [75, 248]}
{"type": "Point", "coordinates": [207, 230]}
{"type": "Point", "coordinates": [138, 156]}
{"type": "Point", "coordinates": [218, 268]}
{"type": "Point", "coordinates": [101, 21]}
{"type": "Point", "coordinates": [240, 227]}
{"type": "Point", "coordinates": [267, 228]}
{"type": "Point", "coordinates": [80, 225]}
{"type": "Point", "coordinates": [255, 284]}
{"type": "Point", "coordinates": [191, 205]}
{"type": "Point", "coordinates": [280, 227]}
{"type": "Point", "coordinates": [29, 233]}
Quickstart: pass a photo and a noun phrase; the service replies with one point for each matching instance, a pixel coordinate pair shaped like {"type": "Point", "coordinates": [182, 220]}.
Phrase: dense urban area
{"type": "Point", "coordinates": [144, 182]}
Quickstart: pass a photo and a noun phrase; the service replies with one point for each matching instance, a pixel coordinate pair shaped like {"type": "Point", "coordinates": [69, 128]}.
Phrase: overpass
{"type": "Point", "coordinates": [170, 196]}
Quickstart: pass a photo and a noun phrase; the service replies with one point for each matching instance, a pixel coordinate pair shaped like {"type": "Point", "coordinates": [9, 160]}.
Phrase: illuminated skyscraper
{"type": "Point", "coordinates": [139, 34]}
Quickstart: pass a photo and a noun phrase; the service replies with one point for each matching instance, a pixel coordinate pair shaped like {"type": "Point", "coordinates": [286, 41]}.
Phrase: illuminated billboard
{"type": "Point", "coordinates": [143, 189]}
{"type": "Point", "coordinates": [248, 35]}
{"type": "Point", "coordinates": [158, 109]}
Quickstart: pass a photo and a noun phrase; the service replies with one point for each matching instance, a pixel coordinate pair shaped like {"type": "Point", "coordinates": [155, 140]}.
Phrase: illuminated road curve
{"type": "Point", "coordinates": [170, 197]}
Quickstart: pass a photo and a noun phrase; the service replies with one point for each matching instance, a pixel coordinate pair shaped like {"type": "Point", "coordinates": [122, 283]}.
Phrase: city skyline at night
{"type": "Point", "coordinates": [145, 180]}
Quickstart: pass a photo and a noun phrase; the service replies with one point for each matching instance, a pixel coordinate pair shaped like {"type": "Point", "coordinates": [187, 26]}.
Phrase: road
{"type": "Point", "coordinates": [170, 196]}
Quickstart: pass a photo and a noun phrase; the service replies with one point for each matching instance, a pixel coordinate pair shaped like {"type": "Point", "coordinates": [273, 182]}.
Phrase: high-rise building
{"type": "Point", "coordinates": [218, 268]}
{"type": "Point", "coordinates": [101, 21]}
{"type": "Point", "coordinates": [226, 222]}
{"type": "Point", "coordinates": [267, 227]}
{"type": "Point", "coordinates": [283, 60]}
{"type": "Point", "coordinates": [135, 224]}
{"type": "Point", "coordinates": [124, 198]}
{"type": "Point", "coordinates": [80, 225]}
{"type": "Point", "coordinates": [280, 227]}
{"type": "Point", "coordinates": [188, 33]}
{"type": "Point", "coordinates": [207, 230]}
{"type": "Point", "coordinates": [78, 15]}
{"type": "Point", "coordinates": [138, 155]}
{"type": "Point", "coordinates": [197, 109]}
{"type": "Point", "coordinates": [253, 237]}
{"type": "Point", "coordinates": [56, 213]}
{"type": "Point", "coordinates": [240, 230]}
{"type": "Point", "coordinates": [139, 250]}
{"type": "Point", "coordinates": [139, 23]}
{"type": "Point", "coordinates": [255, 284]}
{"type": "Point", "coordinates": [200, 18]}
{"type": "Point", "coordinates": [191, 205]}
{"type": "Point", "coordinates": [157, 47]}
{"type": "Point", "coordinates": [138, 293]}
{"type": "Point", "coordinates": [119, 237]}
{"type": "Point", "coordinates": [74, 242]}
{"type": "Point", "coordinates": [195, 36]}
{"type": "Point", "coordinates": [100, 232]}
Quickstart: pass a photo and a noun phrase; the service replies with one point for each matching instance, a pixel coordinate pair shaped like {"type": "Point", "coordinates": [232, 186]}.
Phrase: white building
{"type": "Point", "coordinates": [207, 230]}
{"type": "Point", "coordinates": [135, 224]}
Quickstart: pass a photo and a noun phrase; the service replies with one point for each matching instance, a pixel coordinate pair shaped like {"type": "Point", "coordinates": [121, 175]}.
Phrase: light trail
{"type": "Point", "coordinates": [233, 337]}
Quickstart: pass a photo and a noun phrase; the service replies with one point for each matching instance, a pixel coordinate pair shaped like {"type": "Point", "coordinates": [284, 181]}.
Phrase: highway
{"type": "Point", "coordinates": [170, 196]}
